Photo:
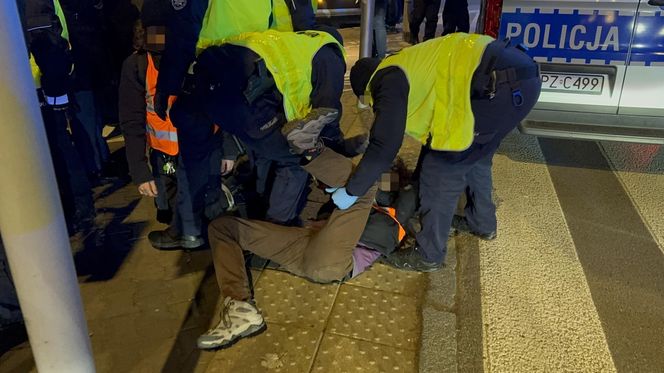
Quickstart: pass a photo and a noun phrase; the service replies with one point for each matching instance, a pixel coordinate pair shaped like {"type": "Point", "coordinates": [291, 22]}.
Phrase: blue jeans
{"type": "Point", "coordinates": [380, 32]}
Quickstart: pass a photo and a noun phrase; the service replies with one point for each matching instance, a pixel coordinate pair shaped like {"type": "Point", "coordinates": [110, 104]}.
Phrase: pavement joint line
{"type": "Point", "coordinates": [382, 290]}
{"type": "Point", "coordinates": [416, 350]}
{"type": "Point", "coordinates": [324, 330]}
{"type": "Point", "coordinates": [419, 302]}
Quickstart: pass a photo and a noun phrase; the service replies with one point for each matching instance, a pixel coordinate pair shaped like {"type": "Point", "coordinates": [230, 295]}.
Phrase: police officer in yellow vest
{"type": "Point", "coordinates": [459, 95]}
{"type": "Point", "coordinates": [268, 79]}
{"type": "Point", "coordinates": [198, 24]}
{"type": "Point", "coordinates": [46, 36]}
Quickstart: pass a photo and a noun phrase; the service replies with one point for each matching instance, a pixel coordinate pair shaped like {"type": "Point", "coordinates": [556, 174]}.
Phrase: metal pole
{"type": "Point", "coordinates": [31, 222]}
{"type": "Point", "coordinates": [366, 28]}
{"type": "Point", "coordinates": [481, 18]}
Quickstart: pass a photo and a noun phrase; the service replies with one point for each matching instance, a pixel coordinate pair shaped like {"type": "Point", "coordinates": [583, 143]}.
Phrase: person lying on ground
{"type": "Point", "coordinates": [321, 255]}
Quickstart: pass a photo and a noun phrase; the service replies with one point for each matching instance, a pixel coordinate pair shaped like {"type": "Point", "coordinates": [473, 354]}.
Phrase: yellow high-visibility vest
{"type": "Point", "coordinates": [224, 19]}
{"type": "Point", "coordinates": [288, 56]}
{"type": "Point", "coordinates": [440, 72]}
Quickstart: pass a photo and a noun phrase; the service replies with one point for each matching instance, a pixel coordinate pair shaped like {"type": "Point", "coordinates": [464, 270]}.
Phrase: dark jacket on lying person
{"type": "Point", "coordinates": [393, 216]}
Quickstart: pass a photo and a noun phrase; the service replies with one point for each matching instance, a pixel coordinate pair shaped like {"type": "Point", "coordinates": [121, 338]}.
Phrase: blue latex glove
{"type": "Point", "coordinates": [341, 198]}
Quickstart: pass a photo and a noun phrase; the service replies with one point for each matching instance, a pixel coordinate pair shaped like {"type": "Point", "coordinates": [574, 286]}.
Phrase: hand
{"type": "Point", "coordinates": [161, 105]}
{"type": "Point", "coordinates": [341, 198]}
{"type": "Point", "coordinates": [227, 166]}
{"type": "Point", "coordinates": [149, 188]}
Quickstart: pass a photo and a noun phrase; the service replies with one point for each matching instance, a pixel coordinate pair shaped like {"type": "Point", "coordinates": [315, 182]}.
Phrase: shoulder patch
{"type": "Point", "coordinates": [178, 4]}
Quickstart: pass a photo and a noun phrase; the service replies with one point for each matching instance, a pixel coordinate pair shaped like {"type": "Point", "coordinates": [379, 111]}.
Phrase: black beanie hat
{"type": "Point", "coordinates": [361, 73]}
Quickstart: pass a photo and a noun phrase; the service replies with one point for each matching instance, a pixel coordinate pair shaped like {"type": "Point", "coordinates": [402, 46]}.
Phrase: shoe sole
{"type": "Point", "coordinates": [251, 332]}
{"type": "Point", "coordinates": [310, 131]}
{"type": "Point", "coordinates": [180, 246]}
{"type": "Point", "coordinates": [193, 245]}
{"type": "Point", "coordinates": [165, 246]}
{"type": "Point", "coordinates": [384, 260]}
{"type": "Point", "coordinates": [469, 233]}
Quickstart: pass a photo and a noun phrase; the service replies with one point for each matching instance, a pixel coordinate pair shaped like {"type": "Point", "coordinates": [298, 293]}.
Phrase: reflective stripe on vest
{"type": "Point", "coordinates": [59, 100]}
{"type": "Point", "coordinates": [440, 72]}
{"type": "Point", "coordinates": [161, 134]}
{"type": "Point", "coordinates": [224, 19]}
{"type": "Point", "coordinates": [392, 213]}
{"type": "Point", "coordinates": [288, 56]}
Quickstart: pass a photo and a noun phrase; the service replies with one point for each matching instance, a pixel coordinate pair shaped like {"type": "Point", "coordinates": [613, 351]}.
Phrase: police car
{"type": "Point", "coordinates": [602, 66]}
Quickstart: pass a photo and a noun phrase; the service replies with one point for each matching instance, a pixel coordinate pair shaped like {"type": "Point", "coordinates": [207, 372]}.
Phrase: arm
{"type": "Point", "coordinates": [132, 118]}
{"type": "Point", "coordinates": [230, 152]}
{"type": "Point", "coordinates": [302, 13]}
{"type": "Point", "coordinates": [390, 93]}
{"type": "Point", "coordinates": [182, 34]}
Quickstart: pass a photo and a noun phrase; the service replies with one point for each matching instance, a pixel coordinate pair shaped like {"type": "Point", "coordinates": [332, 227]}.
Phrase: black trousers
{"type": "Point", "coordinates": [73, 183]}
{"type": "Point", "coordinates": [424, 9]}
{"type": "Point", "coordinates": [455, 17]}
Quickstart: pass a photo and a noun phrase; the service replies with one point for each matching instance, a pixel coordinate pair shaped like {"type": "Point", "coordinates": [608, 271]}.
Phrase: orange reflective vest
{"type": "Point", "coordinates": [392, 213]}
{"type": "Point", "coordinates": [161, 134]}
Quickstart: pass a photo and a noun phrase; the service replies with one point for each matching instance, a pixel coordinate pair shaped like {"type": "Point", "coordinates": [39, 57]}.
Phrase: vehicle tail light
{"type": "Point", "coordinates": [492, 17]}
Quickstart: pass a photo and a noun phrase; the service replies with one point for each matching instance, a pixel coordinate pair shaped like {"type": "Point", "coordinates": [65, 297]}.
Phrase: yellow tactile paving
{"type": "Point", "coordinates": [286, 299]}
{"type": "Point", "coordinates": [537, 308]}
{"type": "Point", "coordinates": [383, 277]}
{"type": "Point", "coordinates": [376, 316]}
{"type": "Point", "coordinates": [280, 349]}
{"type": "Point", "coordinates": [339, 354]}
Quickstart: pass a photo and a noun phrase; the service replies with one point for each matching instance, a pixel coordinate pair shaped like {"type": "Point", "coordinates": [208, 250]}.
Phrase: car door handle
{"type": "Point", "coordinates": [656, 2]}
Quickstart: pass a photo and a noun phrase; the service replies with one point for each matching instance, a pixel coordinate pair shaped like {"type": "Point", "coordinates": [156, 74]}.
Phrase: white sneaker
{"type": "Point", "coordinates": [238, 320]}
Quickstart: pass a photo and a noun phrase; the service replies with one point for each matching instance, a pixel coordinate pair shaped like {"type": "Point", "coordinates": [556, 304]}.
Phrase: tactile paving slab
{"type": "Point", "coordinates": [386, 278]}
{"type": "Point", "coordinates": [287, 299]}
{"type": "Point", "coordinates": [341, 354]}
{"type": "Point", "coordinates": [376, 316]}
{"type": "Point", "coordinates": [279, 349]}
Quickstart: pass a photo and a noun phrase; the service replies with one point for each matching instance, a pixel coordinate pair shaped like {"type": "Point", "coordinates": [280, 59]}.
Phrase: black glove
{"type": "Point", "coordinates": [161, 105]}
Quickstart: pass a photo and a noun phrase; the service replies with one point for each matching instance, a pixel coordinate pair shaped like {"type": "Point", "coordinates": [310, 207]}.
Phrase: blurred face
{"type": "Point", "coordinates": [156, 38]}
{"type": "Point", "coordinates": [389, 182]}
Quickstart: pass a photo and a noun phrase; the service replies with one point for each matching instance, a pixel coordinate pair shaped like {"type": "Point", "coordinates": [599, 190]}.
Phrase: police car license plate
{"type": "Point", "coordinates": [577, 83]}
